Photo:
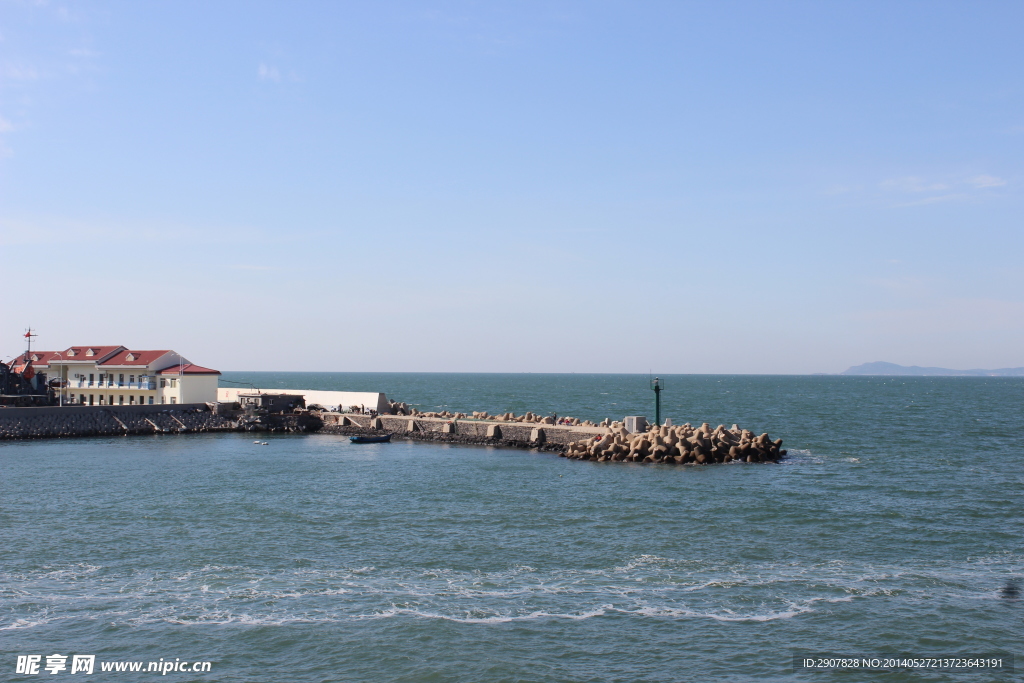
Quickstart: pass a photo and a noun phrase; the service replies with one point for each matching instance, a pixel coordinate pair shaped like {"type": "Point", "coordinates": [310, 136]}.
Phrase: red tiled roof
{"type": "Point", "coordinates": [43, 358]}
{"type": "Point", "coordinates": [139, 357]}
{"type": "Point", "coordinates": [82, 353]}
{"type": "Point", "coordinates": [188, 369]}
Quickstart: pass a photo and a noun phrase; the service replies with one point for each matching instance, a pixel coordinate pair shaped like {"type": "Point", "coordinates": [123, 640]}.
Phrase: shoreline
{"type": "Point", "coordinates": [579, 442]}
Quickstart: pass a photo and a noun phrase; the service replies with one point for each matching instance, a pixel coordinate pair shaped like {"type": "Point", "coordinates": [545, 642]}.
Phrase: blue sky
{"type": "Point", "coordinates": [747, 187]}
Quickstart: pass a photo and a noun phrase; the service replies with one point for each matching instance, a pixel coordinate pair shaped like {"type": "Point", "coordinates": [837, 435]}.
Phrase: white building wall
{"type": "Point", "coordinates": [344, 400]}
{"type": "Point", "coordinates": [183, 389]}
{"type": "Point", "coordinates": [198, 389]}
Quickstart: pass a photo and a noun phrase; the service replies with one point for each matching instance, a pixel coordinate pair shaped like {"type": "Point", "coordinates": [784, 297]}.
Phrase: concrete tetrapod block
{"type": "Point", "coordinates": [636, 423]}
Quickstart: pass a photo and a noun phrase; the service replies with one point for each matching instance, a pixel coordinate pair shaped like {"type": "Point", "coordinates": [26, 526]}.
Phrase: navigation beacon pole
{"type": "Point", "coordinates": [656, 386]}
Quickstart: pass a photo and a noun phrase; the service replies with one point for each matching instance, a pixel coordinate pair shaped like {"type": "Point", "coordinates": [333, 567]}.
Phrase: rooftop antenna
{"type": "Point", "coordinates": [656, 387]}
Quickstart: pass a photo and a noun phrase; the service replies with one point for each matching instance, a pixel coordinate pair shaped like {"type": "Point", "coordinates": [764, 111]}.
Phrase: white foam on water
{"type": "Point", "coordinates": [642, 586]}
{"type": "Point", "coordinates": [725, 614]}
{"type": "Point", "coordinates": [493, 619]}
{"type": "Point", "coordinates": [72, 572]}
{"type": "Point", "coordinates": [799, 456]}
{"type": "Point", "coordinates": [24, 623]}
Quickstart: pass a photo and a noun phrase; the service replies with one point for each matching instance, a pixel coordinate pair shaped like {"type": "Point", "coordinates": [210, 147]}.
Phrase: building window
{"type": "Point", "coordinates": [81, 399]}
{"type": "Point", "coordinates": [101, 398]}
{"type": "Point", "coordinates": [120, 400]}
{"type": "Point", "coordinates": [91, 398]}
{"type": "Point", "coordinates": [120, 379]}
{"type": "Point", "coordinates": [131, 400]}
{"type": "Point", "coordinates": [163, 382]}
{"type": "Point", "coordinates": [131, 379]}
{"type": "Point", "coordinates": [174, 399]}
{"type": "Point", "coordinates": [150, 400]}
{"type": "Point", "coordinates": [91, 378]}
{"type": "Point", "coordinates": [174, 383]}
{"type": "Point", "coordinates": [163, 399]}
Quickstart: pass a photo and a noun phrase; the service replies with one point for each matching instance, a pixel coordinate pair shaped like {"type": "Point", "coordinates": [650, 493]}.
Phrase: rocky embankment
{"type": "Point", "coordinates": [570, 437]}
{"type": "Point", "coordinates": [678, 446]}
{"type": "Point", "coordinates": [527, 417]}
{"type": "Point", "coordinates": [71, 421]}
{"type": "Point", "coordinates": [607, 441]}
{"type": "Point", "coordinates": [54, 422]}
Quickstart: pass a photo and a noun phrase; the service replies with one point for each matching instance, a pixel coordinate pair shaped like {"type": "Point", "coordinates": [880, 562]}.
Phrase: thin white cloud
{"type": "Point", "coordinates": [938, 191]}
{"type": "Point", "coordinates": [983, 180]}
{"type": "Point", "coordinates": [268, 73]}
{"type": "Point", "coordinates": [912, 184]}
{"type": "Point", "coordinates": [18, 72]}
{"type": "Point", "coordinates": [5, 125]}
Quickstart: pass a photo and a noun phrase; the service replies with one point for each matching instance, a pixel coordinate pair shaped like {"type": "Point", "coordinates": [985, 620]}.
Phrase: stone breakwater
{"type": "Point", "coordinates": [576, 439]}
{"type": "Point", "coordinates": [527, 417]}
{"type": "Point", "coordinates": [679, 446]}
{"type": "Point", "coordinates": [608, 441]}
{"type": "Point", "coordinates": [478, 432]}
{"type": "Point", "coordinates": [60, 422]}
{"type": "Point", "coordinates": [56, 422]}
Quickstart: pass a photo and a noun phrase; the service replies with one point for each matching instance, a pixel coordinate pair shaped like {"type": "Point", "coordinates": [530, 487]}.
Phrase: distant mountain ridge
{"type": "Point", "coordinates": [883, 368]}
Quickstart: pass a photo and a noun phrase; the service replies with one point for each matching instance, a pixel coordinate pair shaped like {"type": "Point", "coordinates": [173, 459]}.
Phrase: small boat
{"type": "Point", "coordinates": [370, 439]}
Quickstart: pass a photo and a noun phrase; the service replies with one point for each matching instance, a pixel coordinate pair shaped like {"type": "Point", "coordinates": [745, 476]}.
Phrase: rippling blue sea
{"type": "Point", "coordinates": [894, 526]}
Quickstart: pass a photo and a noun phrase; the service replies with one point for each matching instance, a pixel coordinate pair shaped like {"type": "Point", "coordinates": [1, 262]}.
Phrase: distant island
{"type": "Point", "coordinates": [883, 368]}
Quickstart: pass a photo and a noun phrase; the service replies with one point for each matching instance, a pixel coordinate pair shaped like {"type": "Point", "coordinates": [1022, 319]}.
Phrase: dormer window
{"type": "Point", "coordinates": [35, 357]}
{"type": "Point", "coordinates": [90, 352]}
{"type": "Point", "coordinates": [130, 357]}
{"type": "Point", "coordinates": [71, 352]}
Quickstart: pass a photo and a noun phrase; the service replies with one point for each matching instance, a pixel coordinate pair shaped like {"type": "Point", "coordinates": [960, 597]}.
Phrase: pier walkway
{"type": "Point", "coordinates": [461, 430]}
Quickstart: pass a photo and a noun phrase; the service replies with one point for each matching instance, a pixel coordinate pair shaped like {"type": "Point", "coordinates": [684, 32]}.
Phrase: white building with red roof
{"type": "Point", "coordinates": [117, 375]}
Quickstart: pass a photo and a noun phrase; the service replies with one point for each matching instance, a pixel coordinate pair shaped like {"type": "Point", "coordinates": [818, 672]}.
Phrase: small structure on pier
{"type": "Point", "coordinates": [271, 403]}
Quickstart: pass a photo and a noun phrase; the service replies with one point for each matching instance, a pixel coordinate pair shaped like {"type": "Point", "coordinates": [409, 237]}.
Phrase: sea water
{"type": "Point", "coordinates": [893, 526]}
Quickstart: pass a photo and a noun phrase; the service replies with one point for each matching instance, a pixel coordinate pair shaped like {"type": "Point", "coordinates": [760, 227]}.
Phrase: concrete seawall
{"type": "Point", "coordinates": [528, 435]}
{"type": "Point", "coordinates": [73, 421]}
{"type": "Point", "coordinates": [70, 421]}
